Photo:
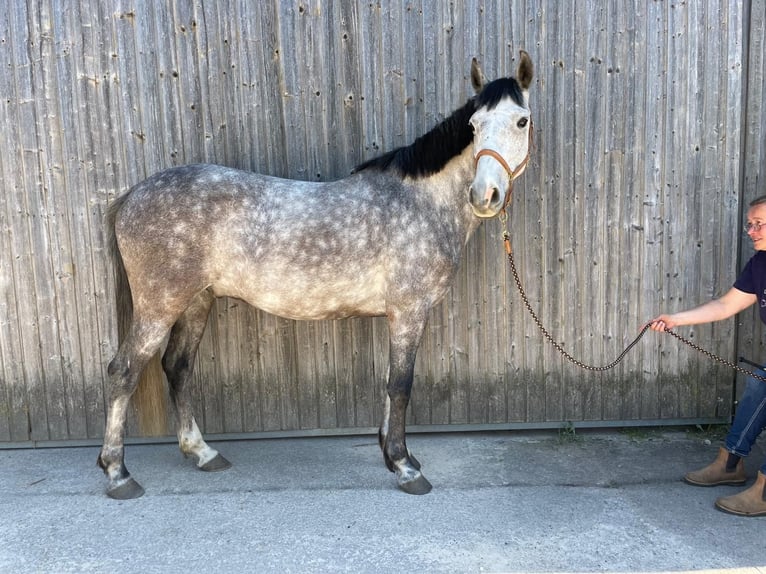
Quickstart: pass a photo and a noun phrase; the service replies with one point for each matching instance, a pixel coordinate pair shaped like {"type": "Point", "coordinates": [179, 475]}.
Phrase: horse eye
{"type": "Point", "coordinates": [522, 122]}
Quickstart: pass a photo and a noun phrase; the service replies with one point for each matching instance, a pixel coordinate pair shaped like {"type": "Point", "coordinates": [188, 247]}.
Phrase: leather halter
{"type": "Point", "coordinates": [512, 174]}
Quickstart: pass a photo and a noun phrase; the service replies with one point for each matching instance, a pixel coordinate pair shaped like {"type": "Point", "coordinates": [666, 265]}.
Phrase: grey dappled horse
{"type": "Point", "coordinates": [385, 241]}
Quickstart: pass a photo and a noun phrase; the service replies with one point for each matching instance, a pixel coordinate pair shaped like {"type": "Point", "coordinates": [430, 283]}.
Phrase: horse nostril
{"type": "Point", "coordinates": [493, 196]}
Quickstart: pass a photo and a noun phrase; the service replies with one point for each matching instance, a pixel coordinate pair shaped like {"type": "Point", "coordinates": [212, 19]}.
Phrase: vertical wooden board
{"type": "Point", "coordinates": [188, 61]}
{"type": "Point", "coordinates": [319, 91]}
{"type": "Point", "coordinates": [697, 228]}
{"type": "Point", "coordinates": [459, 398]}
{"type": "Point", "coordinates": [271, 368]}
{"type": "Point", "coordinates": [34, 299]}
{"type": "Point", "coordinates": [393, 80]}
{"type": "Point", "coordinates": [11, 372]}
{"type": "Point", "coordinates": [13, 397]}
{"type": "Point", "coordinates": [249, 352]}
{"type": "Point", "coordinates": [632, 237]}
{"type": "Point", "coordinates": [225, 87]}
{"type": "Point", "coordinates": [578, 317]}
{"type": "Point", "coordinates": [419, 411]}
{"type": "Point", "coordinates": [327, 403]}
{"type": "Point", "coordinates": [495, 315]}
{"type": "Point", "coordinates": [348, 127]}
{"type": "Point", "coordinates": [592, 257]}
{"type": "Point", "coordinates": [344, 374]}
{"type": "Point", "coordinates": [472, 295]}
{"type": "Point", "coordinates": [130, 102]}
{"type": "Point", "coordinates": [9, 369]}
{"type": "Point", "coordinates": [566, 68]}
{"type": "Point", "coordinates": [231, 363]}
{"type": "Point", "coordinates": [677, 210]}
{"type": "Point", "coordinates": [289, 376]}
{"type": "Point", "coordinates": [697, 257]}
{"type": "Point", "coordinates": [553, 289]}
{"type": "Point", "coordinates": [527, 241]}
{"type": "Point", "coordinates": [415, 107]}
{"type": "Point", "coordinates": [307, 373]}
{"type": "Point", "coordinates": [210, 357]}
{"type": "Point", "coordinates": [432, 65]}
{"type": "Point", "coordinates": [653, 202]}
{"type": "Point", "coordinates": [289, 382]}
{"type": "Point", "coordinates": [291, 55]}
{"type": "Point", "coordinates": [731, 204]}
{"type": "Point", "coordinates": [148, 88]}
{"type": "Point", "coordinates": [271, 129]}
{"type": "Point", "coordinates": [380, 345]}
{"type": "Point", "coordinates": [438, 377]}
{"type": "Point", "coordinates": [617, 106]}
{"type": "Point", "coordinates": [372, 85]}
{"type": "Point", "coordinates": [67, 261]}
{"type": "Point", "coordinates": [230, 92]}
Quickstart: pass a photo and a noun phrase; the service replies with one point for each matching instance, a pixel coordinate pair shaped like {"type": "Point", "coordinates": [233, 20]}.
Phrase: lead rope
{"type": "Point", "coordinates": [570, 358]}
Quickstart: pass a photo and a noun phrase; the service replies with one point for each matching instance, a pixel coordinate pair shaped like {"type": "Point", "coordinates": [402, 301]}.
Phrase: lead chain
{"type": "Point", "coordinates": [571, 359]}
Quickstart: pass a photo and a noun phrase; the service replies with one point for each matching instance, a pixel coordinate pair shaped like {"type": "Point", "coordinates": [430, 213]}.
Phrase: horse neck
{"type": "Point", "coordinates": [449, 190]}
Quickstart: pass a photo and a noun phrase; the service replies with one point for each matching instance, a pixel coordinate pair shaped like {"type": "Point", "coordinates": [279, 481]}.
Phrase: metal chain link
{"type": "Point", "coordinates": [571, 359]}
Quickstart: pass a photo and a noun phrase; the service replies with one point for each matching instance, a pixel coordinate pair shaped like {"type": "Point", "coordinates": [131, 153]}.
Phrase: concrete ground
{"type": "Point", "coordinates": [502, 502]}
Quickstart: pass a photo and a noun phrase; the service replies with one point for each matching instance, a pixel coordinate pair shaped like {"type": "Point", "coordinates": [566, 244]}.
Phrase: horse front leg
{"type": "Point", "coordinates": [405, 338]}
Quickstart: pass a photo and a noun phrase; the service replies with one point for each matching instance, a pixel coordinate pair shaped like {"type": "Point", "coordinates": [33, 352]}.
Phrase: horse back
{"type": "Point", "coordinates": [303, 250]}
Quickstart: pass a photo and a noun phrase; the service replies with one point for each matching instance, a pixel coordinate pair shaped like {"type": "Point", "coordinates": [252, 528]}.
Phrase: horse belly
{"type": "Point", "coordinates": [305, 296]}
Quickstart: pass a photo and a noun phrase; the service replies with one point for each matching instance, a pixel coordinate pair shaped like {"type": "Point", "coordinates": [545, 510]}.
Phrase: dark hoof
{"type": "Point", "coordinates": [215, 465]}
{"type": "Point", "coordinates": [418, 485]}
{"type": "Point", "coordinates": [126, 491]}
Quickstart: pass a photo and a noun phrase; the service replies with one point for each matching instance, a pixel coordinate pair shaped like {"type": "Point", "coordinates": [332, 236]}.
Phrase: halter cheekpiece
{"type": "Point", "coordinates": [512, 174]}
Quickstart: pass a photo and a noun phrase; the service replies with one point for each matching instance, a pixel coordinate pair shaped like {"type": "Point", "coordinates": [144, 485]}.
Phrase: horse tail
{"type": "Point", "coordinates": [149, 400]}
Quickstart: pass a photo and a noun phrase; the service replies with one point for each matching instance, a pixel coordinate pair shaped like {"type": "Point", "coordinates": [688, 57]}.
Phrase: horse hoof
{"type": "Point", "coordinates": [419, 485]}
{"type": "Point", "coordinates": [126, 491]}
{"type": "Point", "coordinates": [216, 464]}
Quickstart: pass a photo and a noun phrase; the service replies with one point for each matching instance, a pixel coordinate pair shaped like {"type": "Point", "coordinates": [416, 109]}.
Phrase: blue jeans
{"type": "Point", "coordinates": [750, 418]}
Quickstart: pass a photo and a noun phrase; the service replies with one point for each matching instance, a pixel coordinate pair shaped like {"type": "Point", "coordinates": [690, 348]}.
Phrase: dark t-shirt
{"type": "Point", "coordinates": [753, 280]}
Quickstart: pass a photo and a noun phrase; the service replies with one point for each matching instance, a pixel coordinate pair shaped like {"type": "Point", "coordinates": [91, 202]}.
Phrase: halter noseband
{"type": "Point", "coordinates": [512, 174]}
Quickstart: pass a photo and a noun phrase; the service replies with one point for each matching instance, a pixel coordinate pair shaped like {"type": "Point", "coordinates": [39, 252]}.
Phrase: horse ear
{"type": "Point", "coordinates": [526, 71]}
{"type": "Point", "coordinates": [477, 76]}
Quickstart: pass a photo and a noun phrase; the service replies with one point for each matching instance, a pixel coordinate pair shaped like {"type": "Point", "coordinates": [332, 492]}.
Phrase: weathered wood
{"type": "Point", "coordinates": [645, 161]}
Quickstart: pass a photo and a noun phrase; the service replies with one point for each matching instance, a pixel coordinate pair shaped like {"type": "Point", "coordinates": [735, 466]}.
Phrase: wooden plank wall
{"type": "Point", "coordinates": [644, 158]}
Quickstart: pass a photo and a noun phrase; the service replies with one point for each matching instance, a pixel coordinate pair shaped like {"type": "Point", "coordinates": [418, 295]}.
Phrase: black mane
{"type": "Point", "coordinates": [429, 153]}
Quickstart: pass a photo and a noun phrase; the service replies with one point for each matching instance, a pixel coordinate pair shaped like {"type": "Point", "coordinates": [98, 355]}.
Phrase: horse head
{"type": "Point", "coordinates": [502, 129]}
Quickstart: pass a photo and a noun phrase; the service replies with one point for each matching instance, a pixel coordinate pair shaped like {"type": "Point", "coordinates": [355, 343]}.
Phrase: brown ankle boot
{"type": "Point", "coordinates": [750, 502]}
{"type": "Point", "coordinates": [716, 473]}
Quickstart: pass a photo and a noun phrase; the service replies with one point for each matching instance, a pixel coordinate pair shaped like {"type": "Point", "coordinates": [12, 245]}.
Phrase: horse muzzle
{"type": "Point", "coordinates": [487, 200]}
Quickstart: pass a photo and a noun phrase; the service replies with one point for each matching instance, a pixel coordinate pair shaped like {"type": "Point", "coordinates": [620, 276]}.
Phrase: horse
{"type": "Point", "coordinates": [384, 241]}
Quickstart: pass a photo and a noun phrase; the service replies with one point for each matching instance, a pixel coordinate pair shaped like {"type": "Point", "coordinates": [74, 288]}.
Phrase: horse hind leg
{"type": "Point", "coordinates": [178, 362]}
{"type": "Point", "coordinates": [124, 372]}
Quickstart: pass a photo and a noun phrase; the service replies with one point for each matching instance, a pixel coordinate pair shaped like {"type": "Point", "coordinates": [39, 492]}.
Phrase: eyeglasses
{"type": "Point", "coordinates": [748, 227]}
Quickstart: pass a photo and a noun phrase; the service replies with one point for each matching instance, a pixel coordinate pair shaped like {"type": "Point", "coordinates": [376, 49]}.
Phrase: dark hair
{"type": "Point", "coordinates": [758, 201]}
{"type": "Point", "coordinates": [429, 153]}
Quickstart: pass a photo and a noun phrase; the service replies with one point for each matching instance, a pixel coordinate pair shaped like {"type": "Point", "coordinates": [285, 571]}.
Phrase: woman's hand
{"type": "Point", "coordinates": [661, 322]}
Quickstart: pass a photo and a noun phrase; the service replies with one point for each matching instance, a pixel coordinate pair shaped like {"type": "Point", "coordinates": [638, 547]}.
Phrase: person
{"type": "Point", "coordinates": [750, 418]}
